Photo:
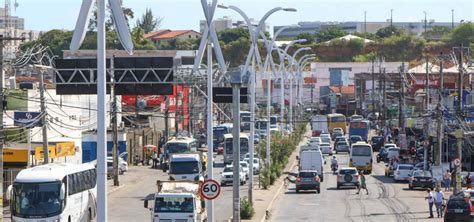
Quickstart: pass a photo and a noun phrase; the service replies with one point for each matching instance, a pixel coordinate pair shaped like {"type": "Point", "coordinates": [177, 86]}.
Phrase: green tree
{"type": "Point", "coordinates": [149, 22]}
{"type": "Point", "coordinates": [139, 41]}
{"type": "Point", "coordinates": [109, 24]}
{"type": "Point", "coordinates": [57, 40]}
{"type": "Point", "coordinates": [230, 35]}
{"type": "Point", "coordinates": [330, 33]}
{"type": "Point", "coordinates": [305, 35]}
{"type": "Point", "coordinates": [388, 31]}
{"type": "Point", "coordinates": [462, 34]}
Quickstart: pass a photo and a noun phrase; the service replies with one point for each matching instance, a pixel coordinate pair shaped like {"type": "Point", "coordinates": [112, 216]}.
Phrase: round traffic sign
{"type": "Point", "coordinates": [457, 162]}
{"type": "Point", "coordinates": [210, 189]}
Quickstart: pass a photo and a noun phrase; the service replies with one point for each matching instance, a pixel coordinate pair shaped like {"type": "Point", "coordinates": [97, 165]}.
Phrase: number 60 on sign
{"type": "Point", "coordinates": [210, 189]}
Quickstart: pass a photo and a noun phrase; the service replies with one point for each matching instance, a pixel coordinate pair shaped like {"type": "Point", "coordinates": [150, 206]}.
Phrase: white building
{"type": "Point", "coordinates": [227, 22]}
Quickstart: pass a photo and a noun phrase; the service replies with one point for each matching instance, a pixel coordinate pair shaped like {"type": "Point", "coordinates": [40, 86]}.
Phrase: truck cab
{"type": "Point", "coordinates": [186, 167]}
{"type": "Point", "coordinates": [177, 146]}
{"type": "Point", "coordinates": [176, 201]}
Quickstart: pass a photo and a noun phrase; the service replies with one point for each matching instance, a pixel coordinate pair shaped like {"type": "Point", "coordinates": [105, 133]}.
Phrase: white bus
{"type": "Point", "coordinates": [245, 118]}
{"type": "Point", "coordinates": [54, 192]}
{"type": "Point", "coordinates": [229, 150]}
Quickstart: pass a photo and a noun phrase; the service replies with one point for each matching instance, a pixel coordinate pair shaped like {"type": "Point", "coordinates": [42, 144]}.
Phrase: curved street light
{"type": "Point", "coordinates": [254, 52]}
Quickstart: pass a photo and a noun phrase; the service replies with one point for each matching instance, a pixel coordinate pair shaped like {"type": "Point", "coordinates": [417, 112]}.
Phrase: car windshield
{"type": "Point", "coordinates": [404, 167]}
{"type": "Point", "coordinates": [244, 165]}
{"type": "Point", "coordinates": [326, 140]}
{"type": "Point", "coordinates": [347, 171]}
{"type": "Point", "coordinates": [356, 138]}
{"type": "Point", "coordinates": [174, 205]}
{"type": "Point", "coordinates": [261, 125]}
{"type": "Point", "coordinates": [188, 167]}
{"type": "Point", "coordinates": [342, 143]}
{"type": "Point", "coordinates": [36, 199]}
{"type": "Point", "coordinates": [361, 151]}
{"type": "Point", "coordinates": [308, 174]}
{"type": "Point", "coordinates": [393, 150]}
{"type": "Point", "coordinates": [377, 139]}
{"type": "Point", "coordinates": [177, 148]}
{"type": "Point", "coordinates": [420, 173]}
{"type": "Point", "coordinates": [338, 119]}
{"type": "Point", "coordinates": [228, 169]}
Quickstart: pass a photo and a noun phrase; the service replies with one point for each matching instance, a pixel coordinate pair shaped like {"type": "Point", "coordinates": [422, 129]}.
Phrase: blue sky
{"type": "Point", "coordinates": [185, 14]}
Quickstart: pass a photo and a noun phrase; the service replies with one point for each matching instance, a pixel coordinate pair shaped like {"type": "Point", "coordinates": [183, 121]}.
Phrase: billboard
{"type": "Point", "coordinates": [143, 103]}
{"type": "Point", "coordinates": [39, 152]}
{"type": "Point", "coordinates": [15, 157]}
{"type": "Point", "coordinates": [65, 149]}
{"type": "Point", "coordinates": [27, 119]}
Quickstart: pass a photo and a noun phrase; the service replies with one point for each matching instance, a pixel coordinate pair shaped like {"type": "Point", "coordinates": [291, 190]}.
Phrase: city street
{"type": "Point", "coordinates": [126, 204]}
{"type": "Point", "coordinates": [387, 201]}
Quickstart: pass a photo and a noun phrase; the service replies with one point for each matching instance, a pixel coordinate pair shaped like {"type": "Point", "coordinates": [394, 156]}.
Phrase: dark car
{"type": "Point", "coordinates": [308, 180]}
{"type": "Point", "coordinates": [377, 142]}
{"type": "Point", "coordinates": [355, 139]}
{"type": "Point", "coordinates": [340, 138]}
{"type": "Point", "coordinates": [420, 178]}
{"type": "Point", "coordinates": [458, 209]}
{"type": "Point", "coordinates": [342, 146]}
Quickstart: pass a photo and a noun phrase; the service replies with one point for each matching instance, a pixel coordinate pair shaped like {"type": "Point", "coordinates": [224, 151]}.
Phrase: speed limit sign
{"type": "Point", "coordinates": [457, 162]}
{"type": "Point", "coordinates": [210, 189]}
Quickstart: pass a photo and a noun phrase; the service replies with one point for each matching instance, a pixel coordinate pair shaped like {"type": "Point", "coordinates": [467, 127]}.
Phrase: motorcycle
{"type": "Point", "coordinates": [334, 168]}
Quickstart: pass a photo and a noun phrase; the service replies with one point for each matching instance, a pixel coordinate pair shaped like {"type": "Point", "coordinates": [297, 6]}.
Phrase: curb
{"type": "Point", "coordinates": [279, 193]}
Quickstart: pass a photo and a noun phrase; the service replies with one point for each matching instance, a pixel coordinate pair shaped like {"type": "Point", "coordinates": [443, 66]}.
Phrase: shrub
{"type": "Point", "coordinates": [246, 209]}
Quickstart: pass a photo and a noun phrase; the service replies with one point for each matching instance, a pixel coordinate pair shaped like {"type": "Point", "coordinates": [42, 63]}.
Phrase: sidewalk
{"type": "Point", "coordinates": [264, 199]}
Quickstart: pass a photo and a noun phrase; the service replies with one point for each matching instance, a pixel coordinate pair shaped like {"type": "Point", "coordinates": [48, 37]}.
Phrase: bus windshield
{"type": "Point", "coordinates": [244, 146]}
{"type": "Point", "coordinates": [338, 119]}
{"type": "Point", "coordinates": [36, 199]}
{"type": "Point", "coordinates": [361, 151]}
{"type": "Point", "coordinates": [188, 167]}
{"type": "Point", "coordinates": [273, 120]}
{"type": "Point", "coordinates": [261, 125]}
{"type": "Point", "coordinates": [174, 205]}
{"type": "Point", "coordinates": [219, 133]}
{"type": "Point", "coordinates": [177, 148]}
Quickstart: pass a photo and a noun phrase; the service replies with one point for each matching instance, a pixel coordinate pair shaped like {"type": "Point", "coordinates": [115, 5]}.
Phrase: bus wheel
{"type": "Point", "coordinates": [89, 216]}
{"type": "Point", "coordinates": [69, 219]}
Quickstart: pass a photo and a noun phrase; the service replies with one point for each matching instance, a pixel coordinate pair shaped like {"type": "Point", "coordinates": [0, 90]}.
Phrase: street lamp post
{"type": "Point", "coordinates": [295, 73]}
{"type": "Point", "coordinates": [253, 53]}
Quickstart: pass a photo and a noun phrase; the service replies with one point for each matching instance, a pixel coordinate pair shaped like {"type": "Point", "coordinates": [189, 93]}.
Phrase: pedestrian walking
{"type": "Point", "coordinates": [447, 181]}
{"type": "Point", "coordinates": [155, 159]}
{"type": "Point", "coordinates": [468, 181]}
{"type": "Point", "coordinates": [430, 201]}
{"type": "Point", "coordinates": [438, 200]}
{"type": "Point", "coordinates": [362, 185]}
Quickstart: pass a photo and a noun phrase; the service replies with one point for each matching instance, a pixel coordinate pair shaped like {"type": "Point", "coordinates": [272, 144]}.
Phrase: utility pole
{"type": "Point", "coordinates": [384, 98]}
{"type": "Point", "coordinates": [452, 18]}
{"type": "Point", "coordinates": [439, 120]}
{"type": "Point", "coordinates": [401, 121]}
{"type": "Point", "coordinates": [167, 113]}
{"type": "Point", "coordinates": [236, 82]}
{"type": "Point", "coordinates": [460, 79]}
{"type": "Point", "coordinates": [459, 138]}
{"type": "Point", "coordinates": [365, 21]}
{"type": "Point", "coordinates": [373, 88]}
{"type": "Point", "coordinates": [44, 120]}
{"type": "Point", "coordinates": [425, 23]}
{"type": "Point", "coordinates": [176, 111]}
{"type": "Point", "coordinates": [427, 85]}
{"type": "Point", "coordinates": [114, 127]}
{"type": "Point", "coordinates": [391, 18]}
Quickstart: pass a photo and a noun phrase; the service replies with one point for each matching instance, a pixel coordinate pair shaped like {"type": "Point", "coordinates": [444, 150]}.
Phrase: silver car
{"type": "Point", "coordinates": [403, 172]}
{"type": "Point", "coordinates": [347, 176]}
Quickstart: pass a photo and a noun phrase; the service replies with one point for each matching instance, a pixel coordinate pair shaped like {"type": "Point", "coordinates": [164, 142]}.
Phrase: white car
{"type": "Point", "coordinates": [325, 148]}
{"type": "Point", "coordinates": [393, 152]}
{"type": "Point", "coordinates": [403, 172]}
{"type": "Point", "coordinates": [314, 141]}
{"type": "Point", "coordinates": [256, 164]}
{"type": "Point", "coordinates": [245, 167]}
{"type": "Point", "coordinates": [122, 165]}
{"type": "Point", "coordinates": [227, 176]}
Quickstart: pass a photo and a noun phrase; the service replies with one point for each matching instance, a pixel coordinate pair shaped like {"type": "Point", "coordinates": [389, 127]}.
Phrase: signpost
{"type": "Point", "coordinates": [27, 119]}
{"type": "Point", "coordinates": [210, 189]}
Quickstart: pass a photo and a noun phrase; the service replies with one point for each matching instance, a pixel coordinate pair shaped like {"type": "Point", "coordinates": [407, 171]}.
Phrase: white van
{"type": "Point", "coordinates": [361, 157]}
{"type": "Point", "coordinates": [186, 167]}
{"type": "Point", "coordinates": [312, 160]}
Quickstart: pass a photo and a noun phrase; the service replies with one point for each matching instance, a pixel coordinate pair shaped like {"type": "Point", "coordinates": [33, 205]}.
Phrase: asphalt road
{"type": "Point", "coordinates": [387, 201]}
{"type": "Point", "coordinates": [126, 204]}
